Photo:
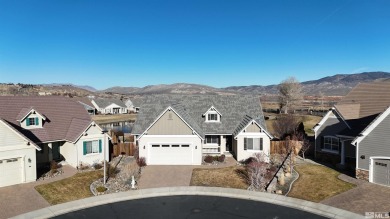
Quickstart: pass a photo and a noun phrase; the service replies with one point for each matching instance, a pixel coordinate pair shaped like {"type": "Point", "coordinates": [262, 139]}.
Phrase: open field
{"type": "Point", "coordinates": [316, 183]}
{"type": "Point", "coordinates": [113, 118]}
{"type": "Point", "coordinates": [69, 189]}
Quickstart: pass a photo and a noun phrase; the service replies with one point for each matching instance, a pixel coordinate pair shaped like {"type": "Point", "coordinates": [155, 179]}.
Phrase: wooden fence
{"type": "Point", "coordinates": [280, 147]}
{"type": "Point", "coordinates": [126, 148]}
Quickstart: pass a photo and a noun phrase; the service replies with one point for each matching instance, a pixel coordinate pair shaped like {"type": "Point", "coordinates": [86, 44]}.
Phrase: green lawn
{"type": "Point", "coordinates": [316, 183]}
{"type": "Point", "coordinates": [69, 189]}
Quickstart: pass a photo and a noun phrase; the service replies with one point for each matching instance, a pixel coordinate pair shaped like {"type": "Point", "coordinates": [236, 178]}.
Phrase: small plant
{"type": "Point", "coordinates": [209, 159]}
{"type": "Point", "coordinates": [83, 166]}
{"type": "Point", "coordinates": [111, 170]}
{"type": "Point", "coordinates": [141, 161]}
{"type": "Point", "coordinates": [53, 165]}
{"type": "Point", "coordinates": [101, 189]}
{"type": "Point", "coordinates": [97, 166]}
{"type": "Point", "coordinates": [221, 158]}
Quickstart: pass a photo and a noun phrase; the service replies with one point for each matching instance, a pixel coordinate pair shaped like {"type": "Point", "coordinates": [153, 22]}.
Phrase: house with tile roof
{"type": "Point", "coordinates": [354, 132]}
{"type": "Point", "coordinates": [180, 130]}
{"type": "Point", "coordinates": [36, 130]}
{"type": "Point", "coordinates": [109, 106]}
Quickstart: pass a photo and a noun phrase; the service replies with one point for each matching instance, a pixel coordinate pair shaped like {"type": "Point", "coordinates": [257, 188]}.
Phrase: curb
{"type": "Point", "coordinates": [315, 208]}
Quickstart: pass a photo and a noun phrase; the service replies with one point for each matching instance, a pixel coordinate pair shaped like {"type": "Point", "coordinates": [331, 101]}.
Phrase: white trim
{"type": "Point", "coordinates": [328, 150]}
{"type": "Point", "coordinates": [168, 108]}
{"type": "Point", "coordinates": [371, 168]}
{"type": "Point", "coordinates": [170, 136]}
{"type": "Point", "coordinates": [341, 116]}
{"type": "Point", "coordinates": [30, 112]}
{"type": "Point", "coordinates": [89, 126]}
{"type": "Point", "coordinates": [327, 115]}
{"type": "Point", "coordinates": [372, 126]}
{"type": "Point", "coordinates": [21, 135]}
{"type": "Point", "coordinates": [262, 130]}
{"type": "Point", "coordinates": [214, 110]}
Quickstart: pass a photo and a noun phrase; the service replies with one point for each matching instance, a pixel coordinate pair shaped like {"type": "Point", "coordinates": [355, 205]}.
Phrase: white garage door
{"type": "Point", "coordinates": [381, 174]}
{"type": "Point", "coordinates": [10, 171]}
{"type": "Point", "coordinates": [170, 154]}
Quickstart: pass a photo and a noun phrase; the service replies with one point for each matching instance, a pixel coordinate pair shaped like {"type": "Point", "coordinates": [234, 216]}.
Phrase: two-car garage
{"type": "Point", "coordinates": [11, 171]}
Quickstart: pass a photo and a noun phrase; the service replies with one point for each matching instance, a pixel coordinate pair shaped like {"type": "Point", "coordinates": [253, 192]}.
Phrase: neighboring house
{"type": "Point", "coordinates": [36, 130]}
{"type": "Point", "coordinates": [354, 132]}
{"type": "Point", "coordinates": [86, 103]}
{"type": "Point", "coordinates": [180, 130]}
{"type": "Point", "coordinates": [133, 105]}
{"type": "Point", "coordinates": [109, 106]}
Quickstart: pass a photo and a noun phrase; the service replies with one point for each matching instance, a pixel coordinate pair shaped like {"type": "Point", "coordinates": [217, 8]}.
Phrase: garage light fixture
{"type": "Point", "coordinates": [363, 157]}
{"type": "Point", "coordinates": [29, 160]}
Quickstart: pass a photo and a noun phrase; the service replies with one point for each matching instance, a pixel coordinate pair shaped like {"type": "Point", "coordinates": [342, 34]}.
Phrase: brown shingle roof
{"type": "Point", "coordinates": [372, 98]}
{"type": "Point", "coordinates": [65, 119]}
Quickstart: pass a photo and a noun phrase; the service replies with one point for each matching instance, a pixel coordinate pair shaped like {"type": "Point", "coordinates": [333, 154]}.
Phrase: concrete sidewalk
{"type": "Point", "coordinates": [22, 198]}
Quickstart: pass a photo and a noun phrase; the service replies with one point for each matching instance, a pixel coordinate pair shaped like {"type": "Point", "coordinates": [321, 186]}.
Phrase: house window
{"type": "Point", "coordinates": [92, 147]}
{"type": "Point", "coordinates": [212, 117]}
{"type": "Point", "coordinates": [212, 139]}
{"type": "Point", "coordinates": [253, 144]}
{"type": "Point", "coordinates": [331, 143]}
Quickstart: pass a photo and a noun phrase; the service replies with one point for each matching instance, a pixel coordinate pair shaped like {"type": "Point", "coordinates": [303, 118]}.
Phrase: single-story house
{"type": "Point", "coordinates": [34, 130]}
{"type": "Point", "coordinates": [109, 106]}
{"type": "Point", "coordinates": [180, 130]}
{"type": "Point", "coordinates": [354, 132]}
{"type": "Point", "coordinates": [133, 105]}
{"type": "Point", "coordinates": [86, 103]}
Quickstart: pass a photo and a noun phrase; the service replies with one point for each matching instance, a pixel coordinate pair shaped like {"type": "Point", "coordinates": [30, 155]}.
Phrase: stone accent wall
{"type": "Point", "coordinates": [362, 174]}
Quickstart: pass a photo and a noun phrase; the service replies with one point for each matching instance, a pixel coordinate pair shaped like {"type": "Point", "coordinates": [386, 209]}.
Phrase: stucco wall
{"type": "Point", "coordinates": [242, 154]}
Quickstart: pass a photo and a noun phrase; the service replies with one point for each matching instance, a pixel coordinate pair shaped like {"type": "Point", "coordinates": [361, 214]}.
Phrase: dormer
{"type": "Point", "coordinates": [212, 115]}
{"type": "Point", "coordinates": [30, 119]}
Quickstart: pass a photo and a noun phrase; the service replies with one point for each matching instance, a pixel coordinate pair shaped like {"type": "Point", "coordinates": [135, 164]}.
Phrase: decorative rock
{"type": "Point", "coordinates": [279, 192]}
{"type": "Point", "coordinates": [281, 179]}
{"type": "Point", "coordinates": [288, 174]}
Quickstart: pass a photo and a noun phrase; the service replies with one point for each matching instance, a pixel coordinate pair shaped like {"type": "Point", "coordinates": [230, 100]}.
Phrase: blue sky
{"type": "Point", "coordinates": [213, 42]}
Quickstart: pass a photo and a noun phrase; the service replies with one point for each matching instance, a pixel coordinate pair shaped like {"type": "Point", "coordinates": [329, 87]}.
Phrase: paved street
{"type": "Point", "coordinates": [190, 207]}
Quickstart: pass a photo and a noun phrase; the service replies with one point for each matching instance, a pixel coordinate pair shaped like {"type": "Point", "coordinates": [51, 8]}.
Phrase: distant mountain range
{"type": "Point", "coordinates": [337, 85]}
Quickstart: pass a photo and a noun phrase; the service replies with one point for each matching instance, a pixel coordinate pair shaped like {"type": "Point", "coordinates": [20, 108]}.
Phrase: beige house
{"type": "Point", "coordinates": [36, 130]}
{"type": "Point", "coordinates": [180, 130]}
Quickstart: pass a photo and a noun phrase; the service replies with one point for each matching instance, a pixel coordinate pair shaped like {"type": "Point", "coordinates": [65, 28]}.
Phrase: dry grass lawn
{"type": "Point", "coordinates": [113, 118]}
{"type": "Point", "coordinates": [69, 189]}
{"type": "Point", "coordinates": [218, 177]}
{"type": "Point", "coordinates": [308, 122]}
{"type": "Point", "coordinates": [316, 183]}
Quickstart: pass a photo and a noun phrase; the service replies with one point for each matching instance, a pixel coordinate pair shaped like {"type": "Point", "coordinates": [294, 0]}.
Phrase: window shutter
{"type": "Point", "coordinates": [100, 145]}
{"type": "Point", "coordinates": [245, 142]}
{"type": "Point", "coordinates": [84, 147]}
{"type": "Point", "coordinates": [28, 122]}
{"type": "Point", "coordinates": [261, 144]}
{"type": "Point", "coordinates": [36, 121]}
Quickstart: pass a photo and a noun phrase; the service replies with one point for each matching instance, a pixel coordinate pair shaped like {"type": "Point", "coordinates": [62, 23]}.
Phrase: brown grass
{"type": "Point", "coordinates": [316, 183]}
{"type": "Point", "coordinates": [308, 121]}
{"type": "Point", "coordinates": [219, 177]}
{"type": "Point", "coordinates": [113, 118]}
{"type": "Point", "coordinates": [69, 189]}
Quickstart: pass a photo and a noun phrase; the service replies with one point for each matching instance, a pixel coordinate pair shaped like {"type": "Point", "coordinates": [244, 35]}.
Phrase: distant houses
{"type": "Point", "coordinates": [109, 106]}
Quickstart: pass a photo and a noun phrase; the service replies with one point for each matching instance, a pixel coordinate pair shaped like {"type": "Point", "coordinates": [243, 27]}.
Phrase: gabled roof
{"type": "Point", "coordinates": [60, 112]}
{"type": "Point", "coordinates": [245, 122]}
{"type": "Point", "coordinates": [213, 109]}
{"type": "Point", "coordinates": [104, 102]}
{"type": "Point", "coordinates": [27, 111]}
{"type": "Point", "coordinates": [20, 134]}
{"type": "Point", "coordinates": [192, 108]}
{"type": "Point", "coordinates": [374, 123]}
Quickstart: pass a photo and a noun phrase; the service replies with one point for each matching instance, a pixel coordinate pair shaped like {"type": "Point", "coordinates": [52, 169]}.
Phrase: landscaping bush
{"type": "Point", "coordinates": [209, 159]}
{"type": "Point", "coordinates": [111, 170]}
{"type": "Point", "coordinates": [141, 161]}
{"type": "Point", "coordinates": [101, 189]}
{"type": "Point", "coordinates": [221, 158]}
{"type": "Point", "coordinates": [97, 166]}
{"type": "Point", "coordinates": [83, 166]}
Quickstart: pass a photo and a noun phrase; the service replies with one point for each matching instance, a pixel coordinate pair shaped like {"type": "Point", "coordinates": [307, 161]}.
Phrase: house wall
{"type": "Point", "coordinates": [43, 155]}
{"type": "Point", "coordinates": [377, 143]}
{"type": "Point", "coordinates": [170, 124]}
{"type": "Point", "coordinates": [330, 127]}
{"type": "Point", "coordinates": [350, 150]}
{"type": "Point", "coordinates": [73, 153]}
{"type": "Point", "coordinates": [145, 142]}
{"type": "Point", "coordinates": [14, 146]}
{"type": "Point", "coordinates": [253, 128]}
{"type": "Point", "coordinates": [23, 123]}
{"type": "Point", "coordinates": [242, 154]}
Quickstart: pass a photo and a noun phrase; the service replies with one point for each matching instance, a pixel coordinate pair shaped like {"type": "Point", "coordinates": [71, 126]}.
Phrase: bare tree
{"type": "Point", "coordinates": [286, 125]}
{"type": "Point", "coordinates": [290, 94]}
{"type": "Point", "coordinates": [257, 172]}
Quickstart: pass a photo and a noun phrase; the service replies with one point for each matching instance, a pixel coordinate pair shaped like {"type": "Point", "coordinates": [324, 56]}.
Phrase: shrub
{"type": "Point", "coordinates": [111, 170]}
{"type": "Point", "coordinates": [221, 158]}
{"type": "Point", "coordinates": [53, 165]}
{"type": "Point", "coordinates": [101, 189]}
{"type": "Point", "coordinates": [141, 161]}
{"type": "Point", "coordinates": [97, 166]}
{"type": "Point", "coordinates": [209, 159]}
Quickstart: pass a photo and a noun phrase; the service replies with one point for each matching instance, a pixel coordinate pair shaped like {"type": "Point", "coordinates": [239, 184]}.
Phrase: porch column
{"type": "Point", "coordinates": [342, 153]}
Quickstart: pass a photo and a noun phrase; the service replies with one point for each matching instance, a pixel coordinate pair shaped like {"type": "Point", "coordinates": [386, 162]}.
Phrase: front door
{"type": "Point", "coordinates": [56, 151]}
{"type": "Point", "coordinates": [228, 142]}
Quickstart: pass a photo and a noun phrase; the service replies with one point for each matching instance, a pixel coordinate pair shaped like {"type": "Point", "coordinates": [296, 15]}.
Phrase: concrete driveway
{"type": "Point", "coordinates": [22, 198]}
{"type": "Point", "coordinates": [173, 175]}
{"type": "Point", "coordinates": [366, 197]}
